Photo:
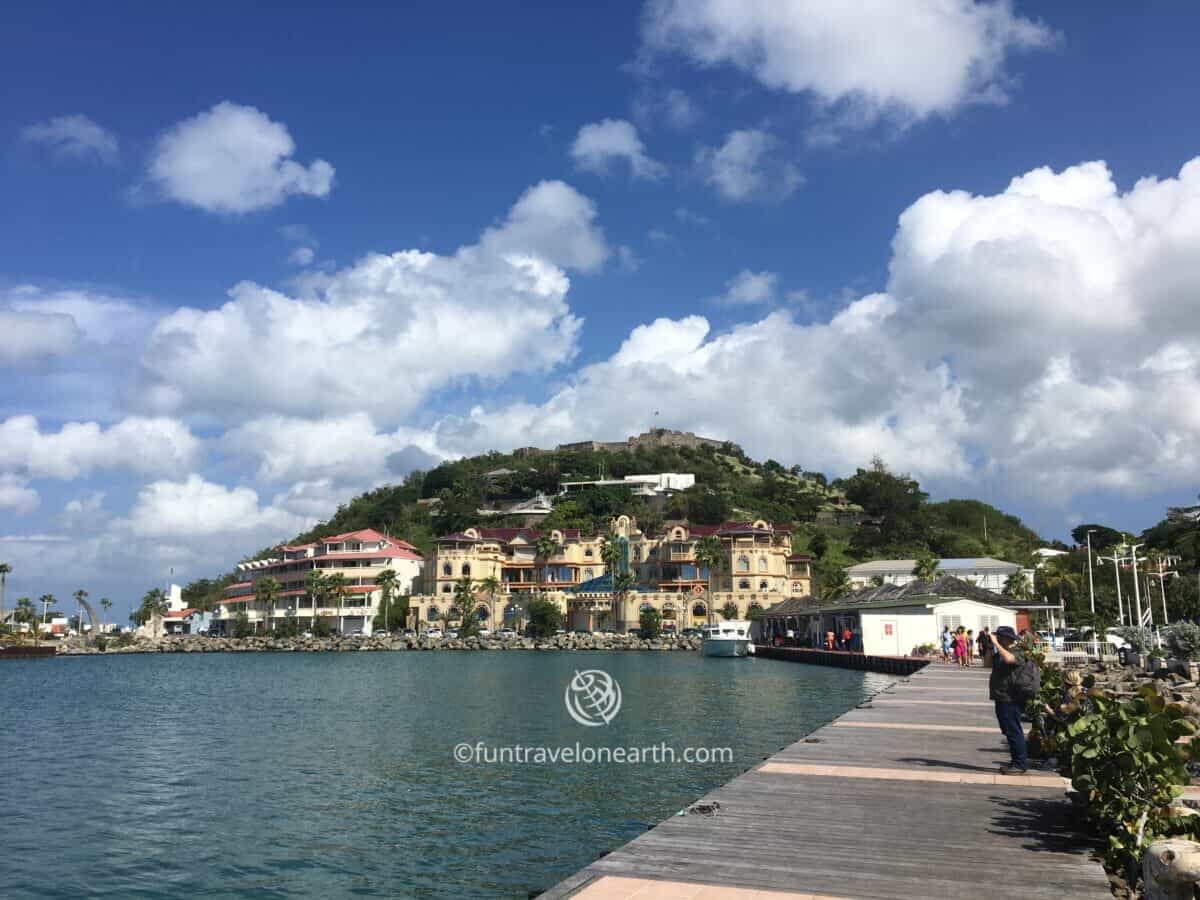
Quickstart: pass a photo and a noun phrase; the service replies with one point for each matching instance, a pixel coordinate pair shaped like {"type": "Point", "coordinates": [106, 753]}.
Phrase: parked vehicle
{"type": "Point", "coordinates": [433, 632]}
{"type": "Point", "coordinates": [484, 632]}
{"type": "Point", "coordinates": [506, 633]}
{"type": "Point", "coordinates": [451, 633]}
{"type": "Point", "coordinates": [690, 632]}
{"type": "Point", "coordinates": [408, 632]}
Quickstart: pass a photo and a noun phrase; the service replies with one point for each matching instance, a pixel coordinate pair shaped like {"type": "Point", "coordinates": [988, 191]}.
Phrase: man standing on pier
{"type": "Point", "coordinates": [1001, 689]}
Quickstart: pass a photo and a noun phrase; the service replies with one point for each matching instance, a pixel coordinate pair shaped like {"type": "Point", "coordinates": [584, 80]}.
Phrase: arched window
{"type": "Point", "coordinates": [699, 609]}
{"type": "Point", "coordinates": [743, 564]}
{"type": "Point", "coordinates": [481, 614]}
{"type": "Point", "coordinates": [445, 588]}
{"type": "Point", "coordinates": [588, 573]}
{"type": "Point", "coordinates": [432, 614]}
{"type": "Point", "coordinates": [588, 553]}
{"type": "Point", "coordinates": [644, 607]}
{"type": "Point", "coordinates": [762, 564]}
{"type": "Point", "coordinates": [446, 570]}
{"type": "Point", "coordinates": [762, 585]}
{"type": "Point", "coordinates": [744, 584]}
{"type": "Point", "coordinates": [466, 568]}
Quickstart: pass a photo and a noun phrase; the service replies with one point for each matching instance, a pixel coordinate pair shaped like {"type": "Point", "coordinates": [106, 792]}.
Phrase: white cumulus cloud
{"type": "Point", "coordinates": [380, 336]}
{"type": "Point", "coordinates": [233, 159]}
{"type": "Point", "coordinates": [145, 445]}
{"type": "Point", "coordinates": [600, 143]}
{"type": "Point", "coordinates": [197, 508]}
{"type": "Point", "coordinates": [913, 59]}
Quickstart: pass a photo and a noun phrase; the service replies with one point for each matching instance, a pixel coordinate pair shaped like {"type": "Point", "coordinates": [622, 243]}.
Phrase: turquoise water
{"type": "Point", "coordinates": [327, 775]}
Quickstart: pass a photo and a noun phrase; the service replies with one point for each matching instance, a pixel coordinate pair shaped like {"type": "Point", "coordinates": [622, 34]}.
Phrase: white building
{"type": "Point", "coordinates": [642, 485]}
{"type": "Point", "coordinates": [983, 571]}
{"type": "Point", "coordinates": [358, 556]}
{"type": "Point", "coordinates": [891, 620]}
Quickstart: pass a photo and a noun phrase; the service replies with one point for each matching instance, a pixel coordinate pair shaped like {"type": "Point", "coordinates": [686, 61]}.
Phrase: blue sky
{"type": "Point", "coordinates": [741, 215]}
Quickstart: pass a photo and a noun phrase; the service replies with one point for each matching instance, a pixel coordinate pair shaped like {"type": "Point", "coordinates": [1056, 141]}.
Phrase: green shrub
{"type": "Point", "coordinates": [1124, 760]}
{"type": "Point", "coordinates": [545, 617]}
{"type": "Point", "coordinates": [1140, 640]}
{"type": "Point", "coordinates": [650, 621]}
{"type": "Point", "coordinates": [1183, 640]}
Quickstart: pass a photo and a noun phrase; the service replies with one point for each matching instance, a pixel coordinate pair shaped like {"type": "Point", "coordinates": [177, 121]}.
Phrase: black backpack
{"type": "Point", "coordinates": [1026, 680]}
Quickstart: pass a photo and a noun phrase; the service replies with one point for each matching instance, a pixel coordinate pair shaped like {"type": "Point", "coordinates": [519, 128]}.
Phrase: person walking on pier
{"type": "Point", "coordinates": [947, 643]}
{"type": "Point", "coordinates": [1001, 688]}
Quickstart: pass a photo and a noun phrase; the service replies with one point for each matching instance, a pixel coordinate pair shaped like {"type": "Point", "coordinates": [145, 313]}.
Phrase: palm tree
{"type": "Point", "coordinates": [335, 584]}
{"type": "Point", "coordinates": [80, 596]}
{"type": "Point", "coordinates": [386, 580]}
{"type": "Point", "coordinates": [926, 568]}
{"type": "Point", "coordinates": [5, 569]}
{"type": "Point", "coordinates": [610, 555]}
{"type": "Point", "coordinates": [623, 583]}
{"type": "Point", "coordinates": [491, 586]}
{"type": "Point", "coordinates": [26, 613]}
{"type": "Point", "coordinates": [47, 601]}
{"type": "Point", "coordinates": [464, 602]}
{"type": "Point", "coordinates": [835, 584]}
{"type": "Point", "coordinates": [314, 583]}
{"type": "Point", "coordinates": [266, 591]}
{"type": "Point", "coordinates": [106, 605]}
{"type": "Point", "coordinates": [1017, 587]}
{"type": "Point", "coordinates": [543, 548]}
{"type": "Point", "coordinates": [709, 554]}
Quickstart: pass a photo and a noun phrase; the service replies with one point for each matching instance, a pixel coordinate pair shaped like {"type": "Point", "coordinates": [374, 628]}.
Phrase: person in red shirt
{"type": "Point", "coordinates": [847, 637]}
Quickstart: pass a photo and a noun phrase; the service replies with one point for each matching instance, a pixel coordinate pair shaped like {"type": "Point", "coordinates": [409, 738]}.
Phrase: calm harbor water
{"type": "Point", "coordinates": [325, 775]}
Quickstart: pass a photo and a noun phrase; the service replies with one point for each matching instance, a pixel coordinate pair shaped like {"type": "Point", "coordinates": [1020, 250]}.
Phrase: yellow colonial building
{"type": "Point", "coordinates": [756, 568]}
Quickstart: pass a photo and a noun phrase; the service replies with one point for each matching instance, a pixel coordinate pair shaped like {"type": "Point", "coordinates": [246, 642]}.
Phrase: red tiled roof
{"type": "Point", "coordinates": [181, 613]}
{"type": "Point", "coordinates": [365, 534]}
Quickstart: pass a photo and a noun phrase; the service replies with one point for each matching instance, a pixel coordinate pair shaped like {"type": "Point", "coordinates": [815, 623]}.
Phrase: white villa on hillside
{"type": "Point", "coordinates": [982, 571]}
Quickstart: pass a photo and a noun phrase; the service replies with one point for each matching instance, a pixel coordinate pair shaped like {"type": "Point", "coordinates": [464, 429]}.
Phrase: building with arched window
{"type": "Point", "coordinates": [756, 569]}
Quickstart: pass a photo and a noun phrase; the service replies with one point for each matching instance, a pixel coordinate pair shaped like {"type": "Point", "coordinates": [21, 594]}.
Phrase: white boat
{"type": "Point", "coordinates": [731, 638]}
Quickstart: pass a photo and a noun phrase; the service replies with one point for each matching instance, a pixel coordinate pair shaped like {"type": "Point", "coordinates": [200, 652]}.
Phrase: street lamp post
{"type": "Point", "coordinates": [1092, 593]}
{"type": "Point", "coordinates": [1137, 591]}
{"type": "Point", "coordinates": [1116, 561]}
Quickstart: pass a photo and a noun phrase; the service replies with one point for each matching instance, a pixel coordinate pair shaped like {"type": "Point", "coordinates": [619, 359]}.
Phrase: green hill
{"type": "Point", "coordinates": [874, 513]}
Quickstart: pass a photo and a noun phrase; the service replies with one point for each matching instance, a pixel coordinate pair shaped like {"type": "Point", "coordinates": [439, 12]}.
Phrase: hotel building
{"type": "Point", "coordinates": [757, 569]}
{"type": "Point", "coordinates": [358, 556]}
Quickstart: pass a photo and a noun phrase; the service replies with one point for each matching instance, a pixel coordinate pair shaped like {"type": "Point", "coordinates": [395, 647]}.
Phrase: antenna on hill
{"type": "Point", "coordinates": [985, 540]}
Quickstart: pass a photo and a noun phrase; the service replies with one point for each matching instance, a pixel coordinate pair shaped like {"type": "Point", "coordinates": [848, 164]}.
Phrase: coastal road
{"type": "Point", "coordinates": [899, 798]}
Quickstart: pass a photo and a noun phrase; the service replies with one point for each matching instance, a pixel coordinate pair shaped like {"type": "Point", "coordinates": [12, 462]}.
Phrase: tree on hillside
{"type": "Point", "coordinates": [926, 568]}
{"type": "Point", "coordinates": [709, 553]}
{"type": "Point", "coordinates": [818, 544]}
{"type": "Point", "coordinates": [1103, 538]}
{"type": "Point", "coordinates": [894, 503]}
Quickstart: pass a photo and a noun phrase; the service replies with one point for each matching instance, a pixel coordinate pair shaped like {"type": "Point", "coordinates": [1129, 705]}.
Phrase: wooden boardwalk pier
{"type": "Point", "coordinates": [899, 798]}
